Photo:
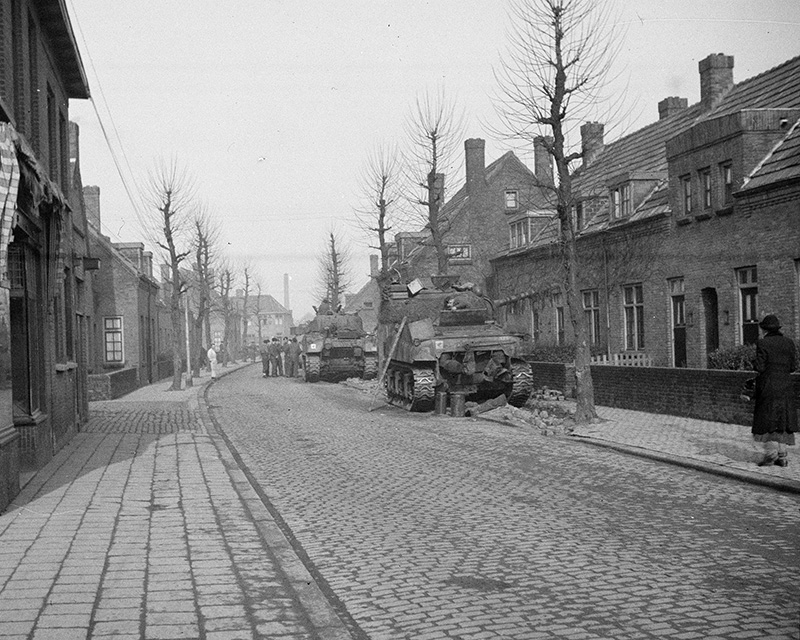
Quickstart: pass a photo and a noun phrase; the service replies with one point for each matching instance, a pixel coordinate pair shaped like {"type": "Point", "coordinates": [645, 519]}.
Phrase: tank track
{"type": "Point", "coordinates": [370, 368]}
{"type": "Point", "coordinates": [412, 388]}
{"type": "Point", "coordinates": [312, 369]}
{"type": "Point", "coordinates": [522, 385]}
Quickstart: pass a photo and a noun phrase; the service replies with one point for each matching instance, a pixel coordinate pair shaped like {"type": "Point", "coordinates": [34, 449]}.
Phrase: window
{"type": "Point", "coordinates": [726, 179]}
{"type": "Point", "coordinates": [678, 313]}
{"type": "Point", "coordinates": [512, 199]}
{"type": "Point", "coordinates": [558, 303]}
{"type": "Point", "coordinates": [459, 253]}
{"type": "Point", "coordinates": [705, 185]}
{"type": "Point", "coordinates": [686, 194]}
{"type": "Point", "coordinates": [633, 304]}
{"type": "Point", "coordinates": [112, 338]}
{"type": "Point", "coordinates": [747, 279]}
{"type": "Point", "coordinates": [591, 311]}
{"type": "Point", "coordinates": [615, 204]}
{"type": "Point", "coordinates": [52, 136]}
{"type": "Point", "coordinates": [626, 201]}
{"type": "Point", "coordinates": [520, 233]}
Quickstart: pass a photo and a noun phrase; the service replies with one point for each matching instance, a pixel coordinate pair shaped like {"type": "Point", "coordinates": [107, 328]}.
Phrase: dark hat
{"type": "Point", "coordinates": [770, 323]}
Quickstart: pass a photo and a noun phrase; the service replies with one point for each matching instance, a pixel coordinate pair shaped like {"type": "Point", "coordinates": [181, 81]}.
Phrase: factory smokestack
{"type": "Point", "coordinates": [286, 291]}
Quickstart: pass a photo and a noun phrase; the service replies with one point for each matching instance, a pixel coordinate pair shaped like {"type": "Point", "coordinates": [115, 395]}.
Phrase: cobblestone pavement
{"type": "Point", "coordinates": [433, 527]}
{"type": "Point", "coordinates": [142, 527]}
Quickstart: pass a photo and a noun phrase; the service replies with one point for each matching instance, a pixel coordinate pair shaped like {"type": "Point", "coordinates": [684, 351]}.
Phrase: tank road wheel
{"type": "Point", "coordinates": [522, 385]}
{"type": "Point", "coordinates": [370, 368]}
{"type": "Point", "coordinates": [312, 369]}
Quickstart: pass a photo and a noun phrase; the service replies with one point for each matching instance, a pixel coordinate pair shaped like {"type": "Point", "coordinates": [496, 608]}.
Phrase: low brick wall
{"type": "Point", "coordinates": [112, 385]}
{"type": "Point", "coordinates": [707, 394]}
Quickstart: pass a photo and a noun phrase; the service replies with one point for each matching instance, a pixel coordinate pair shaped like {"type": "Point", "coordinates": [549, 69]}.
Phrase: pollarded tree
{"type": "Point", "coordinates": [434, 133]}
{"type": "Point", "coordinates": [550, 81]}
{"type": "Point", "coordinates": [205, 236]}
{"type": "Point", "coordinates": [170, 194]}
{"type": "Point", "coordinates": [334, 272]}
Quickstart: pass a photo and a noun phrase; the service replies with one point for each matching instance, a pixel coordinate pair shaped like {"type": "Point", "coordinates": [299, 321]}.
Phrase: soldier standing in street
{"type": "Point", "coordinates": [294, 356]}
{"type": "Point", "coordinates": [775, 415]}
{"type": "Point", "coordinates": [264, 352]}
{"type": "Point", "coordinates": [275, 358]}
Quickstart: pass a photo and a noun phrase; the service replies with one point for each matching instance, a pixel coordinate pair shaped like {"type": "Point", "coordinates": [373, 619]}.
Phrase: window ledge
{"type": "Point", "coordinates": [703, 216]}
{"type": "Point", "coordinates": [66, 366]}
{"type": "Point", "coordinates": [725, 211]}
{"type": "Point", "coordinates": [681, 222]}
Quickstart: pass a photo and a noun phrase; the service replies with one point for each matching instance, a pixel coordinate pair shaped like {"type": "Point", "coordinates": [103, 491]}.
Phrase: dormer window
{"type": "Point", "coordinates": [520, 233]}
{"type": "Point", "coordinates": [511, 199]}
{"type": "Point", "coordinates": [621, 201]}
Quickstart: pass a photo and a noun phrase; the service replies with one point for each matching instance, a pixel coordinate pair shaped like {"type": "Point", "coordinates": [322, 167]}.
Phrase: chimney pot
{"type": "Point", "coordinates": [670, 106]}
{"type": "Point", "coordinates": [591, 141]}
{"type": "Point", "coordinates": [716, 77]}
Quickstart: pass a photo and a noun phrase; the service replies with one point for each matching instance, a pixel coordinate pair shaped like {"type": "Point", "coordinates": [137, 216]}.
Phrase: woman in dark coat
{"type": "Point", "coordinates": [775, 415]}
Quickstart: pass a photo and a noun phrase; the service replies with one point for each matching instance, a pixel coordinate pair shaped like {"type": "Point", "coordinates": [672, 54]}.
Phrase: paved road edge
{"type": "Point", "coordinates": [327, 614]}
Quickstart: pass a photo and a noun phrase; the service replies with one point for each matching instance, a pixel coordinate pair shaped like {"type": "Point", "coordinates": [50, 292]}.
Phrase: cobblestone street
{"type": "Point", "coordinates": [436, 527]}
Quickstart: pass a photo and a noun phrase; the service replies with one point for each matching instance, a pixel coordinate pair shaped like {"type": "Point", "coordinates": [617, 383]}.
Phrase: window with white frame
{"type": "Point", "coordinates": [112, 339]}
{"type": "Point", "coordinates": [705, 185]}
{"type": "Point", "coordinates": [747, 279]}
{"type": "Point", "coordinates": [633, 306]}
{"type": "Point", "coordinates": [591, 311]}
{"type": "Point", "coordinates": [511, 199]}
{"type": "Point", "coordinates": [686, 194]}
{"type": "Point", "coordinates": [520, 233]}
{"type": "Point", "coordinates": [558, 303]}
{"type": "Point", "coordinates": [459, 253]}
{"type": "Point", "coordinates": [726, 179]}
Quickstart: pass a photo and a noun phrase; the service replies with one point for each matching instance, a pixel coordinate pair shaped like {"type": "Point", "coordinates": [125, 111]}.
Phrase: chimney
{"type": "Point", "coordinates": [716, 77]}
{"type": "Point", "coordinates": [475, 152]}
{"type": "Point", "coordinates": [373, 266]}
{"type": "Point", "coordinates": [286, 291]}
{"type": "Point", "coordinates": [542, 161]}
{"type": "Point", "coordinates": [91, 199]}
{"type": "Point", "coordinates": [670, 106]}
{"type": "Point", "coordinates": [591, 141]}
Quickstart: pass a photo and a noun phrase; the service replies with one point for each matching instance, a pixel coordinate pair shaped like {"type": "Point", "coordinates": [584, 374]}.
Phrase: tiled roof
{"type": "Point", "coordinates": [777, 88]}
{"type": "Point", "coordinates": [781, 165]}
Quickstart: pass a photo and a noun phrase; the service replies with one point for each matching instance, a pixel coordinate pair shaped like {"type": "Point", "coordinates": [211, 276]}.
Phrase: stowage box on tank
{"type": "Point", "coordinates": [451, 342]}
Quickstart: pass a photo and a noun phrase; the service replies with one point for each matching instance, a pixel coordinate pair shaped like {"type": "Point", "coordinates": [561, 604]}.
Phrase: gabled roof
{"type": "Point", "coordinates": [781, 165]}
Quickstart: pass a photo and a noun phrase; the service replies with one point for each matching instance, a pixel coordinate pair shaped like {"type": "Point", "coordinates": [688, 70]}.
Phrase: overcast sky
{"type": "Point", "coordinates": [273, 104]}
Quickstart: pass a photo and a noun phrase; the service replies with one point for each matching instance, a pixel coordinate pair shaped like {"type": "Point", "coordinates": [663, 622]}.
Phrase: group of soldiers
{"type": "Point", "coordinates": [280, 358]}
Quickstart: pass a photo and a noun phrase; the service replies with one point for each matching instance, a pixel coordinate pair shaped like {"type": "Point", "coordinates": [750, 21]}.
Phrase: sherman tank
{"type": "Point", "coordinates": [449, 341]}
{"type": "Point", "coordinates": [335, 347]}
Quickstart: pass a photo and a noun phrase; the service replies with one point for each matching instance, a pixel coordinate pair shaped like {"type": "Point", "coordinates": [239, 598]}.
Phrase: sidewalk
{"type": "Point", "coordinates": [143, 526]}
{"type": "Point", "coordinates": [715, 447]}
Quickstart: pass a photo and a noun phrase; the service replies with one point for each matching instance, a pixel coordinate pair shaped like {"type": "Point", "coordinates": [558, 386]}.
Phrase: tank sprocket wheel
{"type": "Point", "coordinates": [312, 369]}
{"type": "Point", "coordinates": [370, 368]}
{"type": "Point", "coordinates": [522, 385]}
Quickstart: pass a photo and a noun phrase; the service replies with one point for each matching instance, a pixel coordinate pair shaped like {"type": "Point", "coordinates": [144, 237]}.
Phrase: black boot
{"type": "Point", "coordinates": [768, 459]}
{"type": "Point", "coordinates": [782, 460]}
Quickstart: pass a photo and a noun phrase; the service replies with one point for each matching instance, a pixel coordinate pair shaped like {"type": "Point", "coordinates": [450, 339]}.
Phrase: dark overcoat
{"type": "Point", "coordinates": [775, 411]}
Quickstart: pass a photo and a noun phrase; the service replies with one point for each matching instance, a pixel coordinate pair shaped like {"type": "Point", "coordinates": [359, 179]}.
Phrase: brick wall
{"type": "Point", "coordinates": [108, 386]}
{"type": "Point", "coordinates": [706, 394]}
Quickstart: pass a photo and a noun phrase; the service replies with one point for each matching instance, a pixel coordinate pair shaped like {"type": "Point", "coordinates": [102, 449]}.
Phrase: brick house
{"type": "Point", "coordinates": [128, 316]}
{"type": "Point", "coordinates": [42, 241]}
{"type": "Point", "coordinates": [685, 235]}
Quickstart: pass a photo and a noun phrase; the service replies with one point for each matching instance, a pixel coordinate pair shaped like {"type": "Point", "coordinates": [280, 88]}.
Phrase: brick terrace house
{"type": "Point", "coordinates": [688, 229]}
{"type": "Point", "coordinates": [42, 275]}
{"type": "Point", "coordinates": [127, 328]}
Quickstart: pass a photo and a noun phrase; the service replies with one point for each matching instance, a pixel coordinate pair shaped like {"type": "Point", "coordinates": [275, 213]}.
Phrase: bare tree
{"type": "Point", "coordinates": [334, 271]}
{"type": "Point", "coordinates": [255, 310]}
{"type": "Point", "coordinates": [247, 277]}
{"type": "Point", "coordinates": [171, 195]}
{"type": "Point", "coordinates": [379, 199]}
{"type": "Point", "coordinates": [434, 132]}
{"type": "Point", "coordinates": [226, 280]}
{"type": "Point", "coordinates": [205, 235]}
{"type": "Point", "coordinates": [558, 62]}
